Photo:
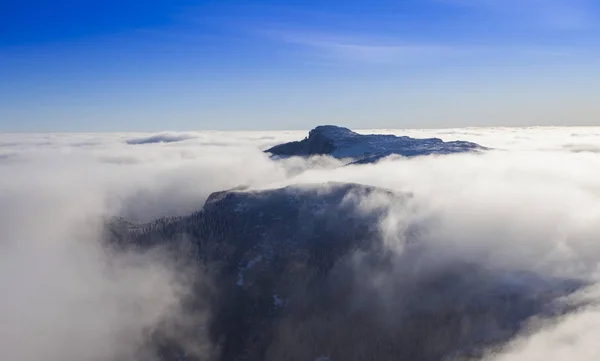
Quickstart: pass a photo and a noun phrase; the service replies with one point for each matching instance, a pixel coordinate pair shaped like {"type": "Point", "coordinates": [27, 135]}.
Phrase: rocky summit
{"type": "Point", "coordinates": [343, 143]}
{"type": "Point", "coordinates": [305, 273]}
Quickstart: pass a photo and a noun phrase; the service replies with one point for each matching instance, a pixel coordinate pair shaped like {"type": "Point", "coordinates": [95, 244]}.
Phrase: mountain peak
{"type": "Point", "coordinates": [332, 132]}
{"type": "Point", "coordinates": [343, 143]}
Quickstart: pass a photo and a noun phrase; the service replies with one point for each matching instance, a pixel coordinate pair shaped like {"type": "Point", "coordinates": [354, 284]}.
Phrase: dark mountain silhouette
{"type": "Point", "coordinates": [303, 273]}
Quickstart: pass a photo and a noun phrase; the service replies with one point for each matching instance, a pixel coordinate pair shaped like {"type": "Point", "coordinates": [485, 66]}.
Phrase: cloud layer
{"type": "Point", "coordinates": [532, 205]}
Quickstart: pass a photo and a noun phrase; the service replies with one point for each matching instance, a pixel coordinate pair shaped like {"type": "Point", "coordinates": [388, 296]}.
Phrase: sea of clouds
{"type": "Point", "coordinates": [532, 204]}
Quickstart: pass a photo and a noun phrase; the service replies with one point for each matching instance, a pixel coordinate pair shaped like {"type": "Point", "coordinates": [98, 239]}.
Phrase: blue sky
{"type": "Point", "coordinates": [86, 65]}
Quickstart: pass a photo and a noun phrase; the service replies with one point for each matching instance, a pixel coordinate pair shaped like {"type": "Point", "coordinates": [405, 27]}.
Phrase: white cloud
{"type": "Point", "coordinates": [531, 205]}
{"type": "Point", "coordinates": [575, 336]}
{"type": "Point", "coordinates": [65, 297]}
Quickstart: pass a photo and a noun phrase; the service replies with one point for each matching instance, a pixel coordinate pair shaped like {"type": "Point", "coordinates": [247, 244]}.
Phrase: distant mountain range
{"type": "Point", "coordinates": [343, 143]}
{"type": "Point", "coordinates": [303, 273]}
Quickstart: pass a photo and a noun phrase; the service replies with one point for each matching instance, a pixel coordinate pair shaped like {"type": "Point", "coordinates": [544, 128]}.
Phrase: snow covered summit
{"type": "Point", "coordinates": [340, 142]}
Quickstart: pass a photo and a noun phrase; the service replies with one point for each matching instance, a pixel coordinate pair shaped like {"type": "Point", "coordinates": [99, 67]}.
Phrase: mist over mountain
{"type": "Point", "coordinates": [146, 243]}
{"type": "Point", "coordinates": [292, 278]}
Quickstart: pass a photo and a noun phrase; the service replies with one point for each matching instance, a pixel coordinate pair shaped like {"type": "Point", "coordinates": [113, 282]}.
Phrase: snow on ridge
{"type": "Point", "coordinates": [343, 143]}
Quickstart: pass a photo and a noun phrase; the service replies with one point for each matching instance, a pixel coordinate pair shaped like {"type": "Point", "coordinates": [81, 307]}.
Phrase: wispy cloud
{"type": "Point", "coordinates": [360, 48]}
{"type": "Point", "coordinates": [381, 50]}
{"type": "Point", "coordinates": [552, 14]}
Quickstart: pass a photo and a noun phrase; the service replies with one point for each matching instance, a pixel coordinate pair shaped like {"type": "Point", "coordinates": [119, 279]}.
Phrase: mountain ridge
{"type": "Point", "coordinates": [293, 273]}
{"type": "Point", "coordinates": [343, 143]}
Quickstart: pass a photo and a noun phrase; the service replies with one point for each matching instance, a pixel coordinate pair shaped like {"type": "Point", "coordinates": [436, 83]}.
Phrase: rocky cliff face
{"type": "Point", "coordinates": [341, 142]}
{"type": "Point", "coordinates": [302, 273]}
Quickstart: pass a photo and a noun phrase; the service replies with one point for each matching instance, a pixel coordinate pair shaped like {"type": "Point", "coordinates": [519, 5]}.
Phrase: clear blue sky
{"type": "Point", "coordinates": [87, 65]}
